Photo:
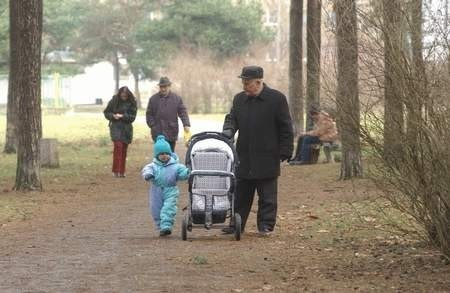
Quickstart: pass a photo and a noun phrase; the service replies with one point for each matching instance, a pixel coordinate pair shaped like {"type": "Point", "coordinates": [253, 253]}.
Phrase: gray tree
{"type": "Point", "coordinates": [393, 76]}
{"type": "Point", "coordinates": [415, 102]}
{"type": "Point", "coordinates": [347, 99]}
{"type": "Point", "coordinates": [313, 43]}
{"type": "Point", "coordinates": [296, 64]}
{"type": "Point", "coordinates": [26, 73]}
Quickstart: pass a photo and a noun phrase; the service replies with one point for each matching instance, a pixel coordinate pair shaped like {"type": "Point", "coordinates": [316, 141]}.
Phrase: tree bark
{"type": "Point", "coordinates": [418, 95]}
{"type": "Point", "coordinates": [393, 74]}
{"type": "Point", "coordinates": [116, 71]}
{"type": "Point", "coordinates": [313, 42]}
{"type": "Point", "coordinates": [347, 99]}
{"type": "Point", "coordinates": [28, 73]}
{"type": "Point", "coordinates": [11, 112]}
{"type": "Point", "coordinates": [137, 92]}
{"type": "Point", "coordinates": [296, 65]}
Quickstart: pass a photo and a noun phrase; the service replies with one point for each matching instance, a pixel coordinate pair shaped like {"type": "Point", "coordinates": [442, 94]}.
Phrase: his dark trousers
{"type": "Point", "coordinates": [267, 201]}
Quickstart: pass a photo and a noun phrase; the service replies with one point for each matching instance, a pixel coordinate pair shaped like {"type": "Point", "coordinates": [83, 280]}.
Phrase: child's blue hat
{"type": "Point", "coordinates": [161, 146]}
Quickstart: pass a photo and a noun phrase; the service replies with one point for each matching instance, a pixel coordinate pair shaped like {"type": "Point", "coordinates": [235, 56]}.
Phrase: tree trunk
{"type": "Point", "coordinates": [418, 94]}
{"type": "Point", "coordinates": [137, 92]}
{"type": "Point", "coordinates": [11, 112]}
{"type": "Point", "coordinates": [417, 43]}
{"type": "Point", "coordinates": [296, 64]}
{"type": "Point", "coordinates": [116, 71]}
{"type": "Point", "coordinates": [393, 88]}
{"type": "Point", "coordinates": [347, 88]}
{"type": "Point", "coordinates": [313, 42]}
{"type": "Point", "coordinates": [28, 71]}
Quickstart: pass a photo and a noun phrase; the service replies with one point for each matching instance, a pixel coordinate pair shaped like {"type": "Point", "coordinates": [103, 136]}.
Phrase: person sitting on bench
{"type": "Point", "coordinates": [324, 131]}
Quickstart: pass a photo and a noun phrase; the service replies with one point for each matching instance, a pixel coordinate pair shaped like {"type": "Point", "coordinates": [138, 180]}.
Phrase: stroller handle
{"type": "Point", "coordinates": [211, 173]}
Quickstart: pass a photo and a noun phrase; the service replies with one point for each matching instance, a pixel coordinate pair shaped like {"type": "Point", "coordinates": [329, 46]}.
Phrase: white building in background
{"type": "Point", "coordinates": [95, 83]}
{"type": "Point", "coordinates": [276, 17]}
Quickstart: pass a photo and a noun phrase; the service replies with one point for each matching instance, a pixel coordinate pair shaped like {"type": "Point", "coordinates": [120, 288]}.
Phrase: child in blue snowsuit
{"type": "Point", "coordinates": [164, 172]}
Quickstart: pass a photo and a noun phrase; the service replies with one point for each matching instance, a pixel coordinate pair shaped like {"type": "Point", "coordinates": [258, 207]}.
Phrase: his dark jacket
{"type": "Point", "coordinates": [265, 133]}
{"type": "Point", "coordinates": [162, 115]}
{"type": "Point", "coordinates": [122, 129]}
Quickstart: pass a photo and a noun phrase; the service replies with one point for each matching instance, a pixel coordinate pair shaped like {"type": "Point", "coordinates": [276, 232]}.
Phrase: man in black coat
{"type": "Point", "coordinates": [261, 115]}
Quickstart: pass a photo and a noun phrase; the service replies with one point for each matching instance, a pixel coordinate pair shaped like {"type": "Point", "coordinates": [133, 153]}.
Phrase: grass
{"type": "Point", "coordinates": [199, 260]}
{"type": "Point", "coordinates": [90, 128]}
{"type": "Point", "coordinates": [362, 219]}
{"type": "Point", "coordinates": [15, 208]}
{"type": "Point", "coordinates": [84, 143]}
{"type": "Point", "coordinates": [84, 148]}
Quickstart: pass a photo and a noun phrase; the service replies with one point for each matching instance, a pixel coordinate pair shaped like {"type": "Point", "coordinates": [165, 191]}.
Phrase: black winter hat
{"type": "Point", "coordinates": [252, 72]}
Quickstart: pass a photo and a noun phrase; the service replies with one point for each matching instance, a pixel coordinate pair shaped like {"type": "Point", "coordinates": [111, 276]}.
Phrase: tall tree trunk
{"type": "Point", "coordinates": [28, 91]}
{"type": "Point", "coordinates": [11, 112]}
{"type": "Point", "coordinates": [393, 76]}
{"type": "Point", "coordinates": [418, 93]}
{"type": "Point", "coordinates": [116, 71]}
{"type": "Point", "coordinates": [296, 64]}
{"type": "Point", "coordinates": [313, 42]}
{"type": "Point", "coordinates": [137, 92]}
{"type": "Point", "coordinates": [446, 29]}
{"type": "Point", "coordinates": [347, 88]}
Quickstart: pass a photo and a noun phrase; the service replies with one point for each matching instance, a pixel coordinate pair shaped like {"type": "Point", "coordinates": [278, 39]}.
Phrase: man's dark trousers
{"type": "Point", "coordinates": [267, 201]}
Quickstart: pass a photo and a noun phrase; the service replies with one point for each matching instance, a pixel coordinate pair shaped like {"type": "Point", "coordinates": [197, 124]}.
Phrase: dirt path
{"type": "Point", "coordinates": [92, 237]}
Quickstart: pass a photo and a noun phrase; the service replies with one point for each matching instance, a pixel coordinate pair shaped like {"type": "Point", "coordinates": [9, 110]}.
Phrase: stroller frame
{"type": "Point", "coordinates": [234, 218]}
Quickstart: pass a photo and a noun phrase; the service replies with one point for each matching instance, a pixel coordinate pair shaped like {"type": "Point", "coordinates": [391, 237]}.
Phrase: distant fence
{"type": "Point", "coordinates": [54, 89]}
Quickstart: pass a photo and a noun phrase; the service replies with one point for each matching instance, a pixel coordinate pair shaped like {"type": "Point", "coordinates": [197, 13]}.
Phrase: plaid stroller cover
{"type": "Point", "coordinates": [212, 164]}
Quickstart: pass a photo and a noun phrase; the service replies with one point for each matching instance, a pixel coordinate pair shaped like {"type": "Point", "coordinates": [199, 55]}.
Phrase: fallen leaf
{"type": "Point", "coordinates": [369, 219]}
{"type": "Point", "coordinates": [267, 287]}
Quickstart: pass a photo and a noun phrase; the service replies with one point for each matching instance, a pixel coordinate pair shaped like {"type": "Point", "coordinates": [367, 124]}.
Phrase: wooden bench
{"type": "Point", "coordinates": [328, 147]}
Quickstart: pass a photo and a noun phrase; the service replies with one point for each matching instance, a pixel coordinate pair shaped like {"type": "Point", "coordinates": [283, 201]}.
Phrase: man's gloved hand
{"type": "Point", "coordinates": [285, 158]}
{"type": "Point", "coordinates": [228, 133]}
{"type": "Point", "coordinates": [187, 136]}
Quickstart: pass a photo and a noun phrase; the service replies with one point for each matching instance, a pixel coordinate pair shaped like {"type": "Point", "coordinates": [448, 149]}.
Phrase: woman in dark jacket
{"type": "Point", "coordinates": [121, 112]}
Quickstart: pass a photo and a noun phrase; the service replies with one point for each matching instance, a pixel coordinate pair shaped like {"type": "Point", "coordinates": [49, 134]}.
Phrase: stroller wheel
{"type": "Point", "coordinates": [237, 226]}
{"type": "Point", "coordinates": [189, 223]}
{"type": "Point", "coordinates": [184, 226]}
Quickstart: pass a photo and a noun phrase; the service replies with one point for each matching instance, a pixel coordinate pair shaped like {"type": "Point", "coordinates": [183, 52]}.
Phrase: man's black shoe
{"type": "Point", "coordinates": [265, 232]}
{"type": "Point", "coordinates": [228, 230]}
{"type": "Point", "coordinates": [164, 232]}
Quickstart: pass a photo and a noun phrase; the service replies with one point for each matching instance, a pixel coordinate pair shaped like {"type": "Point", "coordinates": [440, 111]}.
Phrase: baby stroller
{"type": "Point", "coordinates": [212, 159]}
